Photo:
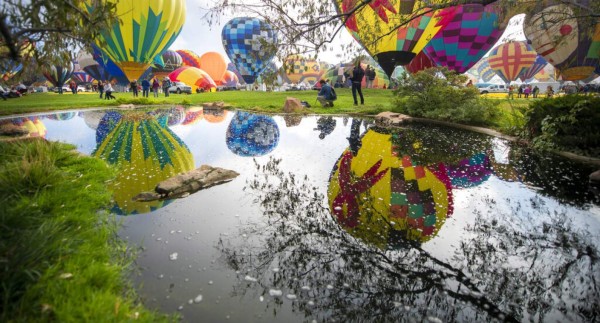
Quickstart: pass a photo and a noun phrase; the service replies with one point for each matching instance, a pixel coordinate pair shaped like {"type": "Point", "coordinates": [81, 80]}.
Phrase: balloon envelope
{"type": "Point", "coordinates": [145, 30]}
{"type": "Point", "coordinates": [419, 63]}
{"type": "Point", "coordinates": [510, 59]}
{"type": "Point", "coordinates": [471, 31]}
{"type": "Point", "coordinates": [250, 44]}
{"type": "Point", "coordinates": [252, 135]}
{"type": "Point", "coordinates": [189, 58]}
{"type": "Point", "coordinates": [171, 61]}
{"type": "Point", "coordinates": [194, 77]}
{"type": "Point", "coordinates": [229, 79]}
{"type": "Point", "coordinates": [214, 64]}
{"type": "Point", "coordinates": [58, 75]}
{"type": "Point", "coordinates": [534, 69]}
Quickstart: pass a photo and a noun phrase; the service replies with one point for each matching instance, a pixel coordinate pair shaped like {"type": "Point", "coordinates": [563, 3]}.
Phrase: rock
{"type": "Point", "coordinates": [146, 197]}
{"type": "Point", "coordinates": [201, 178]}
{"type": "Point", "coordinates": [387, 119]}
{"type": "Point", "coordinates": [595, 177]}
{"type": "Point", "coordinates": [293, 105]}
{"type": "Point", "coordinates": [127, 106]}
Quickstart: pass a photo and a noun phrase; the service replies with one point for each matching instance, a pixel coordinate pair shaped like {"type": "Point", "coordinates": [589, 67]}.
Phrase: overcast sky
{"type": "Point", "coordinates": [200, 38]}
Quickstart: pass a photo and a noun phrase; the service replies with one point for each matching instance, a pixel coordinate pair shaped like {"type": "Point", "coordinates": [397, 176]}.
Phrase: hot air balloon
{"type": "Point", "coordinates": [193, 115]}
{"type": "Point", "coordinates": [510, 59]}
{"type": "Point", "coordinates": [215, 115]}
{"type": "Point", "coordinates": [194, 77]}
{"type": "Point", "coordinates": [301, 69]}
{"type": "Point", "coordinates": [9, 68]}
{"type": "Point", "coordinates": [486, 73]}
{"type": "Point", "coordinates": [90, 66]}
{"type": "Point", "coordinates": [229, 79]}
{"type": "Point", "coordinates": [82, 77]}
{"type": "Point", "coordinates": [384, 198]}
{"type": "Point", "coordinates": [171, 61]}
{"type": "Point", "coordinates": [146, 29]}
{"type": "Point", "coordinates": [63, 116]}
{"type": "Point", "coordinates": [567, 38]}
{"type": "Point", "coordinates": [250, 44]}
{"type": "Point", "coordinates": [419, 63]}
{"type": "Point", "coordinates": [58, 75]}
{"type": "Point", "coordinates": [189, 58]}
{"type": "Point", "coordinates": [232, 68]}
{"type": "Point", "coordinates": [471, 31]}
{"type": "Point", "coordinates": [33, 126]}
{"type": "Point", "coordinates": [383, 29]}
{"type": "Point", "coordinates": [252, 135]}
{"type": "Point", "coordinates": [214, 64]}
{"type": "Point", "coordinates": [146, 153]}
{"type": "Point", "coordinates": [530, 72]}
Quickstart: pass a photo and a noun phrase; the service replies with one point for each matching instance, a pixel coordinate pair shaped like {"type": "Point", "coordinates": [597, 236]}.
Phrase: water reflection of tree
{"type": "Point", "coordinates": [501, 270]}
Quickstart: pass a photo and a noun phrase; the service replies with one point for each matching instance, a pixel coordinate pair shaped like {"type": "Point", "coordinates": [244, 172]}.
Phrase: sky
{"type": "Point", "coordinates": [200, 37]}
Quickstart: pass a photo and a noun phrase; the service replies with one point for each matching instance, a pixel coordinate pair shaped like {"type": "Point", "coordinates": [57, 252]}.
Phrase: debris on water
{"type": "Point", "coordinates": [434, 319]}
{"type": "Point", "coordinates": [275, 270]}
{"type": "Point", "coordinates": [173, 256]}
{"type": "Point", "coordinates": [329, 287]}
{"type": "Point", "coordinates": [190, 301]}
{"type": "Point", "coordinates": [310, 303]}
{"type": "Point", "coordinates": [172, 231]}
{"type": "Point", "coordinates": [338, 208]}
{"type": "Point", "coordinates": [305, 288]}
{"type": "Point", "coordinates": [210, 282]}
{"type": "Point", "coordinates": [158, 239]}
{"type": "Point", "coordinates": [237, 215]}
{"type": "Point", "coordinates": [275, 292]}
{"type": "Point", "coordinates": [261, 299]}
{"type": "Point", "coordinates": [66, 275]}
{"type": "Point", "coordinates": [198, 299]}
{"type": "Point", "coordinates": [161, 276]}
{"type": "Point", "coordinates": [397, 304]}
{"type": "Point", "coordinates": [250, 278]}
{"type": "Point", "coordinates": [290, 296]}
{"type": "Point", "coordinates": [180, 308]}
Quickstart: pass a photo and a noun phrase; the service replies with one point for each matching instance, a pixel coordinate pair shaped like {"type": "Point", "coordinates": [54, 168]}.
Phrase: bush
{"type": "Point", "coordinates": [566, 123]}
{"type": "Point", "coordinates": [438, 93]}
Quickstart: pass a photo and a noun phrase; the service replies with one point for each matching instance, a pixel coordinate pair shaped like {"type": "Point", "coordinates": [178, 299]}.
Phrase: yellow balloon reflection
{"type": "Point", "coordinates": [384, 198]}
{"type": "Point", "coordinates": [145, 153]}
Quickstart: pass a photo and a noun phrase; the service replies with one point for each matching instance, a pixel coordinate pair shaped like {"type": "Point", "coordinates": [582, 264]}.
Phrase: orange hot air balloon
{"type": "Point", "coordinates": [214, 64]}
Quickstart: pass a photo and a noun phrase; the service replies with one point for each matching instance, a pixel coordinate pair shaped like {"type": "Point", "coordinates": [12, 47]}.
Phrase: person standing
{"type": "Point", "coordinates": [101, 88]}
{"type": "Point", "coordinates": [520, 91]}
{"type": "Point", "coordinates": [527, 91]}
{"type": "Point", "coordinates": [511, 92]}
{"type": "Point", "coordinates": [145, 87]}
{"type": "Point", "coordinates": [536, 90]}
{"type": "Point", "coordinates": [370, 75]}
{"type": "Point", "coordinates": [357, 75]}
{"type": "Point", "coordinates": [166, 84]}
{"type": "Point", "coordinates": [133, 86]}
{"type": "Point", "coordinates": [155, 86]}
{"type": "Point", "coordinates": [108, 90]}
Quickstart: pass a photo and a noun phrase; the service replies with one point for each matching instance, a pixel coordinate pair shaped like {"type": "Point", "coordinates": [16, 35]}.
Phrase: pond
{"type": "Point", "coordinates": [335, 219]}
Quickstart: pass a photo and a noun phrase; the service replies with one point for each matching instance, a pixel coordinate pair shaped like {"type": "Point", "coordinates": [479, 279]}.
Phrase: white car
{"type": "Point", "coordinates": [180, 87]}
{"type": "Point", "coordinates": [494, 88]}
{"type": "Point", "coordinates": [66, 88]}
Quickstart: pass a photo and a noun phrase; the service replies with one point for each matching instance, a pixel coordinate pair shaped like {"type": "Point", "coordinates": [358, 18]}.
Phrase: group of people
{"type": "Point", "coordinates": [106, 90]}
{"type": "Point", "coordinates": [525, 90]}
{"type": "Point", "coordinates": [15, 92]}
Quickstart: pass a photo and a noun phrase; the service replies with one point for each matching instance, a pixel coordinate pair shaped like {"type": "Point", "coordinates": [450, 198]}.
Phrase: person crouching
{"type": "Point", "coordinates": [326, 95]}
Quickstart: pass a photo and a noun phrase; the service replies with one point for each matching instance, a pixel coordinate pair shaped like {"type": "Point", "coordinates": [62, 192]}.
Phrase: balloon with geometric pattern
{"type": "Point", "coordinates": [510, 59]}
{"type": "Point", "coordinates": [250, 44]}
{"type": "Point", "coordinates": [530, 72]}
{"type": "Point", "coordinates": [171, 61]}
{"type": "Point", "coordinates": [189, 58]}
{"type": "Point", "coordinates": [252, 135]}
{"type": "Point", "coordinates": [58, 75]}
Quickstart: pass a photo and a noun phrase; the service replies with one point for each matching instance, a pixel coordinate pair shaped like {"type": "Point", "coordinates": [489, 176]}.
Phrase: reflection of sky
{"type": "Point", "coordinates": [73, 131]}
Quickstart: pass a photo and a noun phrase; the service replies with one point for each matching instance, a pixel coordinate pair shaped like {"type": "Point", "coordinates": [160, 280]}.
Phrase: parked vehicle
{"type": "Point", "coordinates": [66, 88]}
{"type": "Point", "coordinates": [543, 86]}
{"type": "Point", "coordinates": [180, 87]}
{"type": "Point", "coordinates": [494, 88]}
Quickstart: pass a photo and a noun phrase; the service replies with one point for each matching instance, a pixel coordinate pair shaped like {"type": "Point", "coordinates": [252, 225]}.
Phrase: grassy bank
{"type": "Point", "coordinates": [60, 259]}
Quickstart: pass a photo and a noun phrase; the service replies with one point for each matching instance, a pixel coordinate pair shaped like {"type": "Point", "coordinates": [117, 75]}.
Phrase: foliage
{"type": "Point", "coordinates": [567, 123]}
{"type": "Point", "coordinates": [438, 93]}
{"type": "Point", "coordinates": [55, 27]}
{"type": "Point", "coordinates": [61, 260]}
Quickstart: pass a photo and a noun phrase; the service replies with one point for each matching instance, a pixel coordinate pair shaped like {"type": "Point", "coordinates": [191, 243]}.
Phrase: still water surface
{"type": "Point", "coordinates": [335, 219]}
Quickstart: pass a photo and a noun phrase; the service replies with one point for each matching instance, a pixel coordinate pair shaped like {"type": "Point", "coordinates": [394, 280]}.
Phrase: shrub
{"type": "Point", "coordinates": [566, 123]}
{"type": "Point", "coordinates": [438, 93]}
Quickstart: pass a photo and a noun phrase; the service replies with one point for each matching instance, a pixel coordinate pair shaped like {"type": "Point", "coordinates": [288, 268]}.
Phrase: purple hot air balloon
{"type": "Point", "coordinates": [470, 33]}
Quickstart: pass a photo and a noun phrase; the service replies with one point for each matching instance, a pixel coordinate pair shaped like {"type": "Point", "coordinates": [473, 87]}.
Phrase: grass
{"type": "Point", "coordinates": [60, 259]}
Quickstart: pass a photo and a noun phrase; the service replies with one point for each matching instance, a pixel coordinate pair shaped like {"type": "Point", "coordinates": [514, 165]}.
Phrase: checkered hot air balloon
{"type": "Point", "coordinates": [381, 196]}
{"type": "Point", "coordinates": [510, 59]}
{"type": "Point", "coordinates": [250, 44]}
{"type": "Point", "coordinates": [471, 30]}
{"type": "Point", "coordinates": [377, 27]}
{"type": "Point", "coordinates": [252, 135]}
{"type": "Point", "coordinates": [146, 152]}
{"type": "Point", "coordinates": [146, 29]}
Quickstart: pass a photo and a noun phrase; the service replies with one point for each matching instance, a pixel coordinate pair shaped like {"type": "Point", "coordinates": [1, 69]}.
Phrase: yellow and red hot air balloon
{"type": "Point", "coordinates": [510, 59]}
{"type": "Point", "coordinates": [147, 29]}
{"type": "Point", "coordinates": [391, 31]}
{"type": "Point", "coordinates": [214, 64]}
{"type": "Point", "coordinates": [194, 77]}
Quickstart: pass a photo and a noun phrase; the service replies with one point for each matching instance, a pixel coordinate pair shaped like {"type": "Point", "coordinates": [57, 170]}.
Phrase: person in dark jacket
{"type": "Point", "coordinates": [325, 96]}
{"type": "Point", "coordinates": [145, 88]}
{"type": "Point", "coordinates": [357, 75]}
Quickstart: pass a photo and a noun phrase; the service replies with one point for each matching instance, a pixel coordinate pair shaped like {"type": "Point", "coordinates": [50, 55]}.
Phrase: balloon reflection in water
{"type": "Point", "coordinates": [384, 198]}
{"type": "Point", "coordinates": [145, 153]}
{"type": "Point", "coordinates": [32, 125]}
{"type": "Point", "coordinates": [215, 115]}
{"type": "Point", "coordinates": [252, 135]}
{"type": "Point", "coordinates": [61, 116]}
{"type": "Point", "coordinates": [193, 115]}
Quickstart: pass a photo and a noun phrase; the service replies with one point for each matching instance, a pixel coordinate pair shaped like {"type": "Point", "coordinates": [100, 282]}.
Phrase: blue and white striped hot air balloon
{"type": "Point", "coordinates": [250, 44]}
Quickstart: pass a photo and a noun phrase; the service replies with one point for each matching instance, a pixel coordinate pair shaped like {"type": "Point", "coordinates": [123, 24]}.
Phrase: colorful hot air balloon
{"type": "Point", "coordinates": [82, 77]}
{"type": "Point", "coordinates": [383, 29]}
{"type": "Point", "coordinates": [194, 77]}
{"type": "Point", "coordinates": [419, 63]}
{"type": "Point", "coordinates": [381, 196]}
{"type": "Point", "coordinates": [470, 172]}
{"type": "Point", "coordinates": [58, 75]}
{"type": "Point", "coordinates": [63, 116]}
{"type": "Point", "coordinates": [146, 153]}
{"type": "Point", "coordinates": [471, 31]}
{"type": "Point", "coordinates": [301, 69]}
{"type": "Point", "coordinates": [250, 44]}
{"type": "Point", "coordinates": [90, 66]}
{"type": "Point", "coordinates": [171, 61]}
{"type": "Point", "coordinates": [214, 64]}
{"type": "Point", "coordinates": [529, 73]}
{"type": "Point", "coordinates": [510, 59]}
{"type": "Point", "coordinates": [146, 29]}
{"type": "Point", "coordinates": [9, 68]}
{"type": "Point", "coordinates": [486, 73]}
{"type": "Point", "coordinates": [566, 37]}
{"type": "Point", "coordinates": [229, 79]}
{"type": "Point", "coordinates": [189, 58]}
{"type": "Point", "coordinates": [33, 126]}
{"type": "Point", "coordinates": [232, 68]}
{"type": "Point", "coordinates": [193, 115]}
{"type": "Point", "coordinates": [252, 135]}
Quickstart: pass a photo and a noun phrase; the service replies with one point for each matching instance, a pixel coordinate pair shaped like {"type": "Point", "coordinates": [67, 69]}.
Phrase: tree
{"type": "Point", "coordinates": [55, 28]}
